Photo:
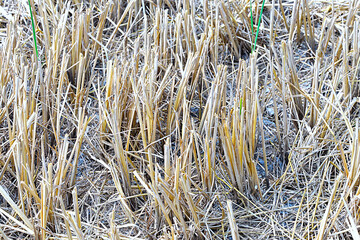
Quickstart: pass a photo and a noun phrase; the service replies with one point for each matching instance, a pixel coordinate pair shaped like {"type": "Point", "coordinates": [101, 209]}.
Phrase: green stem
{"type": "Point", "coordinates": [258, 28]}
{"type": "Point", "coordinates": [240, 106]}
{"type": "Point", "coordinates": [33, 28]}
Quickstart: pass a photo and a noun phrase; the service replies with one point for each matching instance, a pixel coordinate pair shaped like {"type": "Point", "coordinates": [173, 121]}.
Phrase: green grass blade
{"type": "Point", "coordinates": [33, 28]}
{"type": "Point", "coordinates": [258, 27]}
{"type": "Point", "coordinates": [240, 106]}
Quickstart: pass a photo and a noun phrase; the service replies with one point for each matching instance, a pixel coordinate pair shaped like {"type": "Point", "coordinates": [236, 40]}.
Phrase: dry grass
{"type": "Point", "coordinates": [155, 119]}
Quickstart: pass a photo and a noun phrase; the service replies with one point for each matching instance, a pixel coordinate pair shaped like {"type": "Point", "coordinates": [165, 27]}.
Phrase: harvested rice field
{"type": "Point", "coordinates": [180, 119]}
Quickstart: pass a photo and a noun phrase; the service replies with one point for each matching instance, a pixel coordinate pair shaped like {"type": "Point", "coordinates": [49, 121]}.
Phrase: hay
{"type": "Point", "coordinates": [179, 119]}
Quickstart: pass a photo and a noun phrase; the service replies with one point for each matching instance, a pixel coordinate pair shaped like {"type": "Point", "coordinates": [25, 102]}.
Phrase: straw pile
{"type": "Point", "coordinates": [179, 119]}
